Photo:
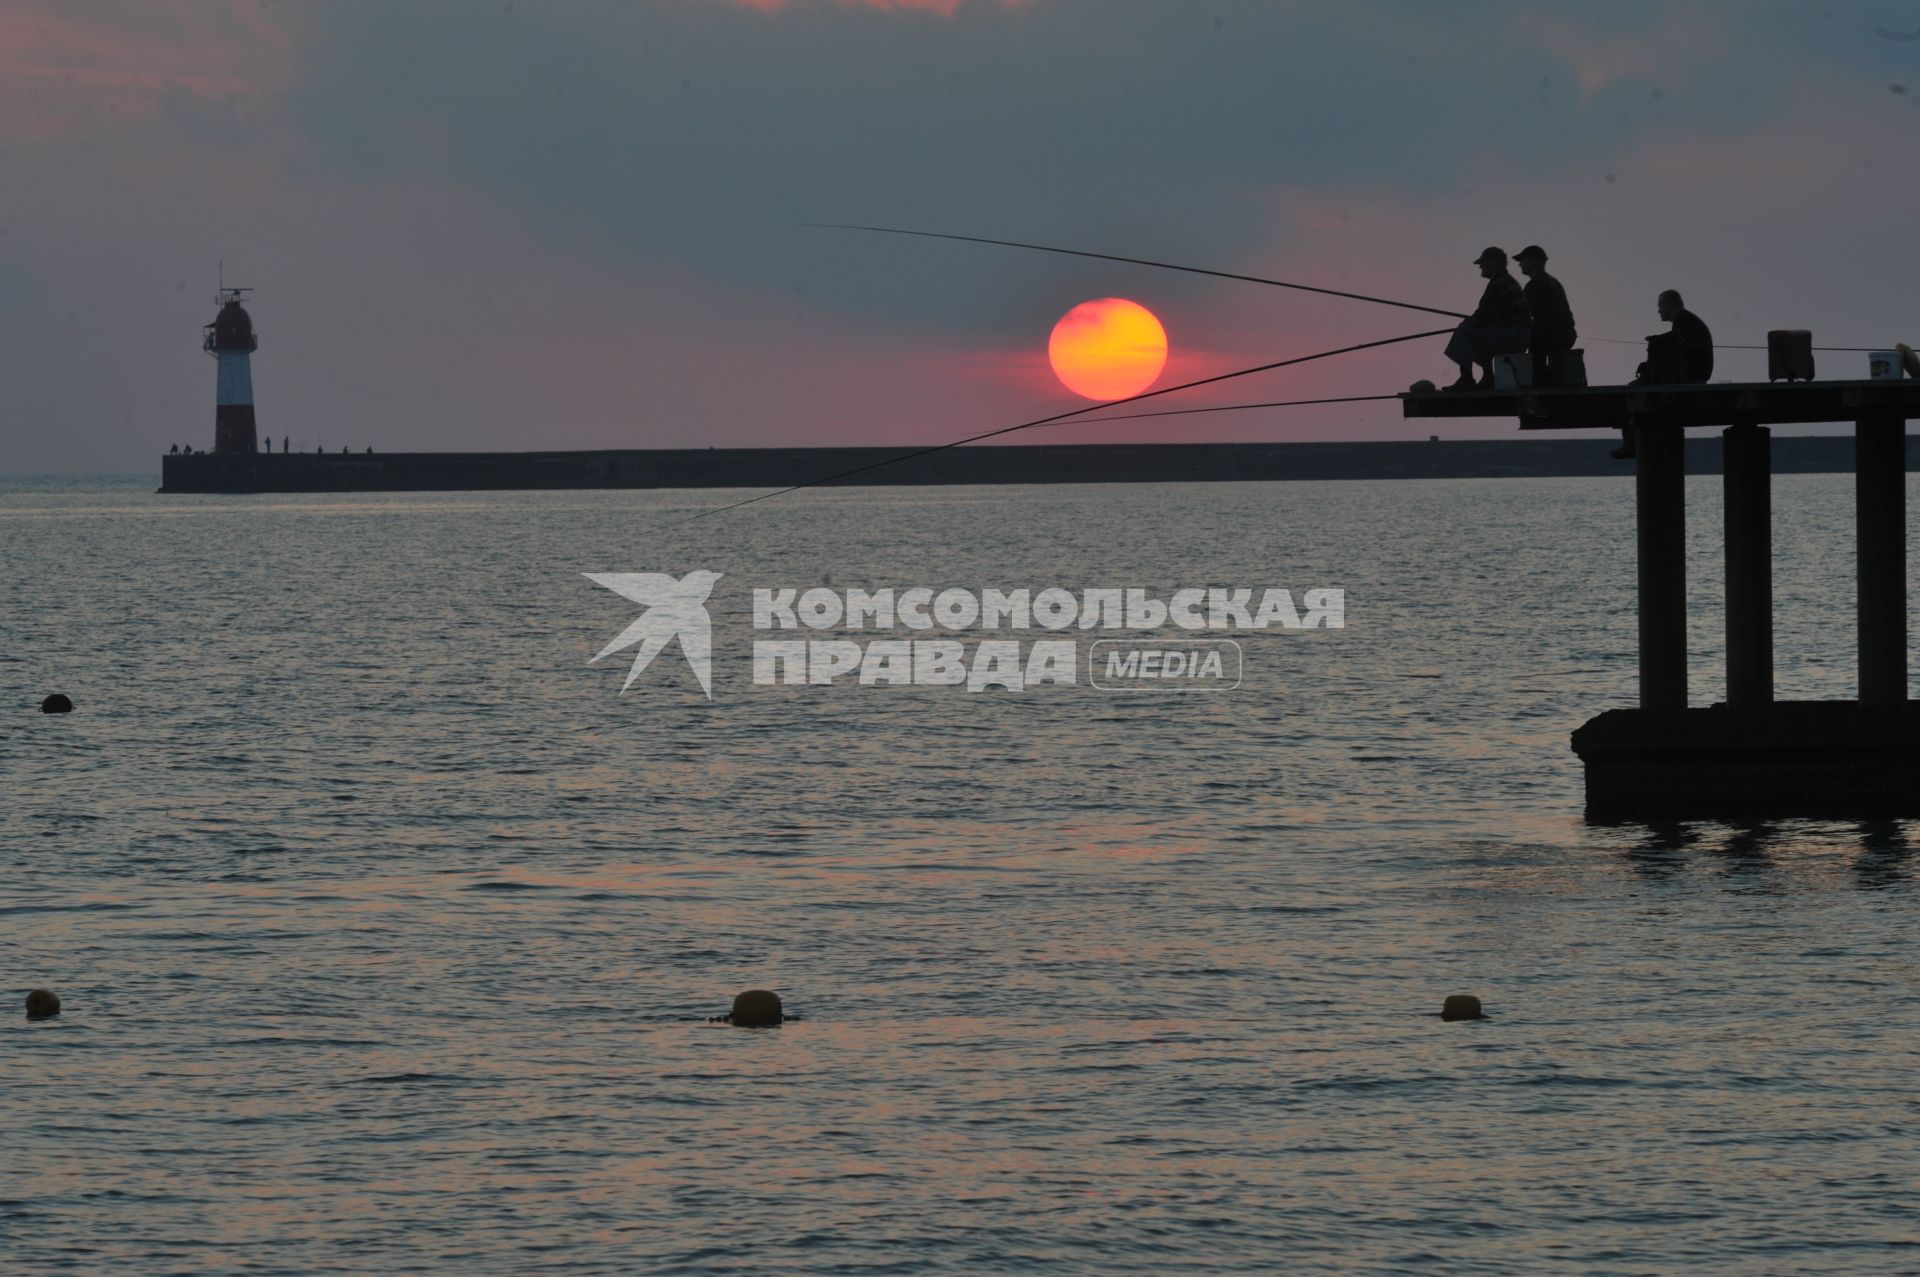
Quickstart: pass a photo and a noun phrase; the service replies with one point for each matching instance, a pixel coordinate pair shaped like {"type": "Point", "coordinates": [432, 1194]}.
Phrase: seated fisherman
{"type": "Point", "coordinates": [1552, 333]}
{"type": "Point", "coordinates": [1682, 356]}
{"type": "Point", "coordinates": [1499, 325]}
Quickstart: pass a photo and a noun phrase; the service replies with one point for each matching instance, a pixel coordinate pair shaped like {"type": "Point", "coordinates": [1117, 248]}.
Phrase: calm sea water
{"type": "Point", "coordinates": [386, 927]}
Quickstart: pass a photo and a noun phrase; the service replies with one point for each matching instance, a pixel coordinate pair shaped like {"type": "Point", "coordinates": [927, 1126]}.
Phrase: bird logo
{"type": "Point", "coordinates": [675, 609]}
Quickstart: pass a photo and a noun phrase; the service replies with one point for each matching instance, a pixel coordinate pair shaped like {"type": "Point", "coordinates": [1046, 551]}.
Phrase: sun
{"type": "Point", "coordinates": [1109, 348]}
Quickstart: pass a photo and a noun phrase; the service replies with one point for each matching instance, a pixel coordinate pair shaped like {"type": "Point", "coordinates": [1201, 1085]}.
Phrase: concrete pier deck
{"type": "Point", "coordinates": [1759, 403]}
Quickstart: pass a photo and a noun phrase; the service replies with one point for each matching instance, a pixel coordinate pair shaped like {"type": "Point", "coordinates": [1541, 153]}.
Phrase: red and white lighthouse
{"type": "Point", "coordinates": [230, 340]}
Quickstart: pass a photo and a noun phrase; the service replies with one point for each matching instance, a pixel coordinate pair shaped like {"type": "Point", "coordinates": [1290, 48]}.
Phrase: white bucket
{"type": "Point", "coordinates": [1883, 365]}
{"type": "Point", "coordinates": [1515, 372]}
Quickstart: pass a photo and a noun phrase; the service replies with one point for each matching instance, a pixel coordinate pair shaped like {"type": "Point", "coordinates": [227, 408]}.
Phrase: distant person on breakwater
{"type": "Point", "coordinates": [176, 451]}
{"type": "Point", "coordinates": [1499, 325]}
{"type": "Point", "coordinates": [1682, 356]}
{"type": "Point", "coordinates": [286, 443]}
{"type": "Point", "coordinates": [1552, 334]}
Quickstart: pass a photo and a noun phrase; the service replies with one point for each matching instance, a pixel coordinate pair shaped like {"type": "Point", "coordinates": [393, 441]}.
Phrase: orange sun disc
{"type": "Point", "coordinates": [1108, 349]}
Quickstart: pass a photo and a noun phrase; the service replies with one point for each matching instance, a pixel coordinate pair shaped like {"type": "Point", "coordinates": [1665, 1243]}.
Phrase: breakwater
{"type": "Point", "coordinates": [1041, 463]}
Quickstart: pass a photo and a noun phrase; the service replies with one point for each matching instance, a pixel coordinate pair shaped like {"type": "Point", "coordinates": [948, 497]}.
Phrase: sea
{"type": "Point", "coordinates": [389, 931]}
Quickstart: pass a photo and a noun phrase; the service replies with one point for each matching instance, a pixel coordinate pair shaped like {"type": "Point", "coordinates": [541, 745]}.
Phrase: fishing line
{"type": "Point", "coordinates": [1062, 416]}
{"type": "Point", "coordinates": [1860, 350]}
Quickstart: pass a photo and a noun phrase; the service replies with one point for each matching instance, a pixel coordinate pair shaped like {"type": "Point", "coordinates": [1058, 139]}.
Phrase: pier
{"type": "Point", "coordinates": [1751, 755]}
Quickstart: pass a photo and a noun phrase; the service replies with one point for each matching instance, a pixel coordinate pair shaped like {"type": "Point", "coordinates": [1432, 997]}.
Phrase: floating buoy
{"type": "Point", "coordinates": [56, 704]}
{"type": "Point", "coordinates": [1461, 1006]}
{"type": "Point", "coordinates": [42, 1005]}
{"type": "Point", "coordinates": [756, 1008]}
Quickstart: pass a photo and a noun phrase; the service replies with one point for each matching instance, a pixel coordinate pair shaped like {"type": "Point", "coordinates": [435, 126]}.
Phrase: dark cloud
{"type": "Point", "coordinates": [705, 133]}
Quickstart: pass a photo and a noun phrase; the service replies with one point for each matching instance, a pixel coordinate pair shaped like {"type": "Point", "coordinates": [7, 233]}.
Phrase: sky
{"type": "Point", "coordinates": [500, 224]}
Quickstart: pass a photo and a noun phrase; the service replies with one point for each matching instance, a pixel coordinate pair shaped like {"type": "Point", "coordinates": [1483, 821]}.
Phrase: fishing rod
{"type": "Point", "coordinates": [1140, 261]}
{"type": "Point", "coordinates": [1221, 274]}
{"type": "Point", "coordinates": [1233, 407]}
{"type": "Point", "coordinates": [1062, 416]}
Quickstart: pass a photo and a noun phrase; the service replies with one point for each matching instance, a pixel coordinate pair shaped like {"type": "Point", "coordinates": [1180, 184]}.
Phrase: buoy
{"type": "Point", "coordinates": [756, 1008]}
{"type": "Point", "coordinates": [42, 1005]}
{"type": "Point", "coordinates": [56, 704]}
{"type": "Point", "coordinates": [1461, 1006]}
{"type": "Point", "coordinates": [1422, 387]}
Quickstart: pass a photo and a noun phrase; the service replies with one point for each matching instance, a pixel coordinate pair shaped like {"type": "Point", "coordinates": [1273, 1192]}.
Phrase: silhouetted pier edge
{"type": "Point", "coordinates": [1034, 463]}
{"type": "Point", "coordinates": [1749, 756]}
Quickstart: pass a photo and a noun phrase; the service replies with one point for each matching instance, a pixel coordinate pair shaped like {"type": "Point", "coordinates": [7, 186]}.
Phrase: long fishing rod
{"type": "Point", "coordinates": [1062, 416]}
{"type": "Point", "coordinates": [1231, 407]}
{"type": "Point", "coordinates": [1221, 274]}
{"type": "Point", "coordinates": [1140, 261]}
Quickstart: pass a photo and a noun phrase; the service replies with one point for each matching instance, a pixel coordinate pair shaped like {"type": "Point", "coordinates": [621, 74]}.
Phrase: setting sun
{"type": "Point", "coordinates": [1108, 349]}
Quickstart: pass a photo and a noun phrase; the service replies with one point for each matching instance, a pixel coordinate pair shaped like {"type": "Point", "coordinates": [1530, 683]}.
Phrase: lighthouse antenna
{"type": "Point", "coordinates": [223, 294]}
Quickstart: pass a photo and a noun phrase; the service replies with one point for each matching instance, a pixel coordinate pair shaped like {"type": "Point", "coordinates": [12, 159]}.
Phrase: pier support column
{"type": "Point", "coordinates": [1661, 532]}
{"type": "Point", "coordinates": [1880, 515]}
{"type": "Point", "coordinates": [1747, 455]}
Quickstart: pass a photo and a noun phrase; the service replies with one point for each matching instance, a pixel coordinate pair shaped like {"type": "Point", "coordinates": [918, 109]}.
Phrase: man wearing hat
{"type": "Point", "coordinates": [1553, 335]}
{"type": "Point", "coordinates": [1499, 325]}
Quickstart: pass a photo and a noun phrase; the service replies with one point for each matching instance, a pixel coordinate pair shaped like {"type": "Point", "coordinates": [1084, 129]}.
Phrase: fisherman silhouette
{"type": "Point", "coordinates": [1682, 356]}
{"type": "Point", "coordinates": [1499, 325]}
{"type": "Point", "coordinates": [675, 608]}
{"type": "Point", "coordinates": [1552, 334]}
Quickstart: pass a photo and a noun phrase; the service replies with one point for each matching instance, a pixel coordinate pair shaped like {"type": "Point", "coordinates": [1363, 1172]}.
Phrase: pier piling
{"type": "Point", "coordinates": [1880, 494]}
{"type": "Point", "coordinates": [1661, 495]}
{"type": "Point", "coordinates": [1748, 477]}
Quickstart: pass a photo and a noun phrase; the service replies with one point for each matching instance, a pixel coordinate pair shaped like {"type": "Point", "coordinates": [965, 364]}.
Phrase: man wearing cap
{"type": "Point", "coordinates": [1552, 334]}
{"type": "Point", "coordinates": [1499, 325]}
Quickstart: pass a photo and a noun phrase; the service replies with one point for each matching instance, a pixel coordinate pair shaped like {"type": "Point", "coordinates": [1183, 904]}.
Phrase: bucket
{"type": "Point", "coordinates": [1789, 354]}
{"type": "Point", "coordinates": [1884, 365]}
{"type": "Point", "coordinates": [1512, 372]}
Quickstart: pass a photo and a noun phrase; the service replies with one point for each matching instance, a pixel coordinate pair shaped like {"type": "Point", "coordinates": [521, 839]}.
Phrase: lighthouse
{"type": "Point", "coordinates": [231, 342]}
